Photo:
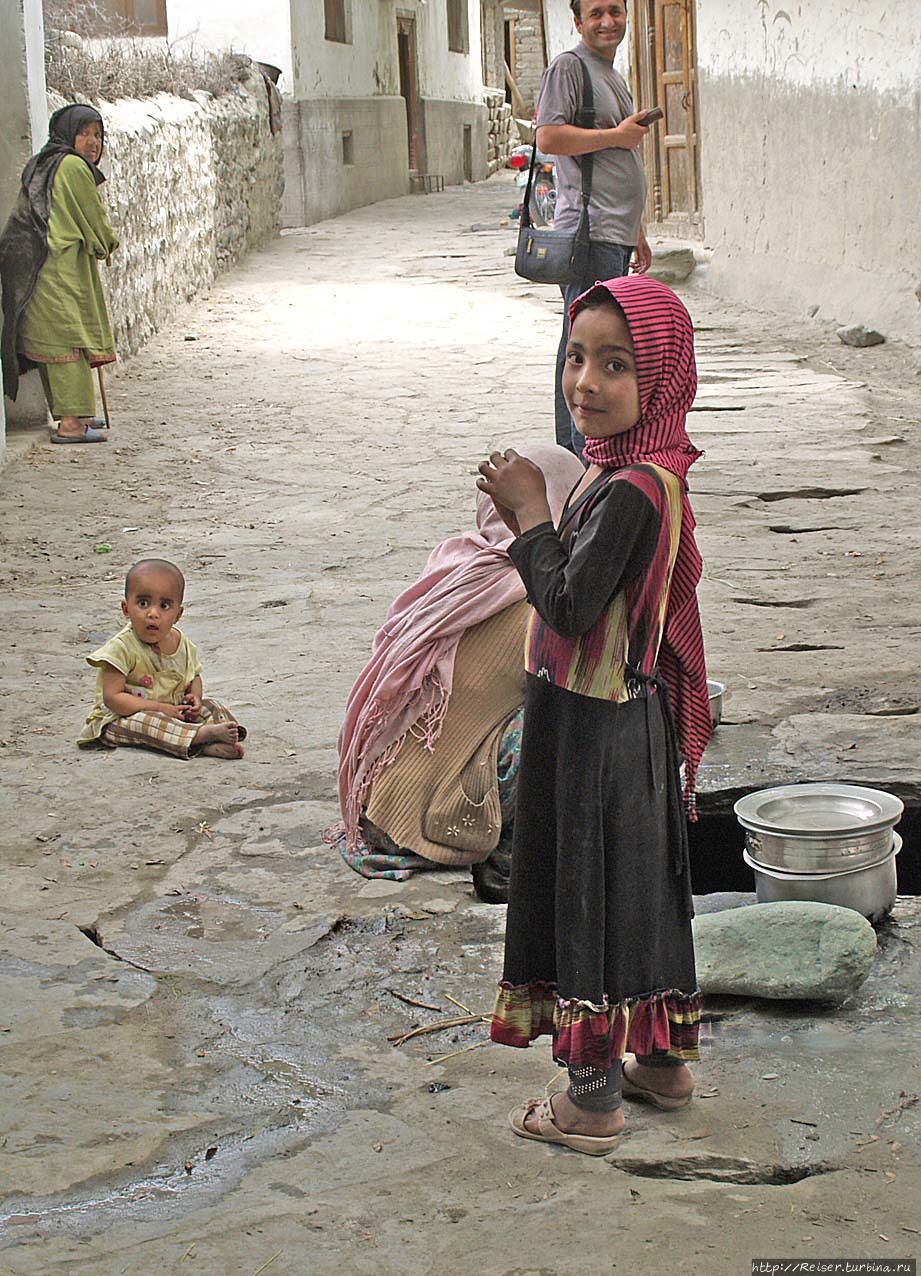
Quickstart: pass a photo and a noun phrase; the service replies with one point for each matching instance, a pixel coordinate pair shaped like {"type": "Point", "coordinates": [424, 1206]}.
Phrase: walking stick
{"type": "Point", "coordinates": [102, 392]}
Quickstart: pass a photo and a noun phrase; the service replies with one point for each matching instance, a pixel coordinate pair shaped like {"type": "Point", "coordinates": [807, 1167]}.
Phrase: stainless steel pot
{"type": "Point", "coordinates": [870, 890]}
{"type": "Point", "coordinates": [831, 854]}
{"type": "Point", "coordinates": [715, 691]}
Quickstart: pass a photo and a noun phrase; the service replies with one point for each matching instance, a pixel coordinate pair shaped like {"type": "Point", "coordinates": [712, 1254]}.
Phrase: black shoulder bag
{"type": "Point", "coordinates": [556, 256]}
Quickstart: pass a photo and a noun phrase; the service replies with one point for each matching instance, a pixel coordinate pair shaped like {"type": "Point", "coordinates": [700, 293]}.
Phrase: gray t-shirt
{"type": "Point", "coordinates": [618, 195]}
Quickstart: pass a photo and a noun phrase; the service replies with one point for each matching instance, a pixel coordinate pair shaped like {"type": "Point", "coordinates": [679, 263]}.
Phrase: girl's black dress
{"type": "Point", "coordinates": [598, 944]}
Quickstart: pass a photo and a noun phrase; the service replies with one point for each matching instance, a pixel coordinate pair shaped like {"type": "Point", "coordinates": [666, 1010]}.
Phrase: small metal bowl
{"type": "Point", "coordinates": [715, 691]}
{"type": "Point", "coordinates": [870, 890]}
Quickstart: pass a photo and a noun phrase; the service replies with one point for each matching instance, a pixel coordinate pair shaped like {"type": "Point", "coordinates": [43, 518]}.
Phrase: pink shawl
{"type": "Point", "coordinates": [406, 684]}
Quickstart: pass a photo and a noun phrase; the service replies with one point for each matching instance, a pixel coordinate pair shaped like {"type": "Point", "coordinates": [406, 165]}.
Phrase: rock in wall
{"type": "Point", "coordinates": [498, 139]}
{"type": "Point", "coordinates": [193, 184]}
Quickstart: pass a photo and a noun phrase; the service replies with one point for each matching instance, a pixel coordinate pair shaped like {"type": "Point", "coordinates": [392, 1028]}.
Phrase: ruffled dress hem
{"type": "Point", "coordinates": [586, 1035]}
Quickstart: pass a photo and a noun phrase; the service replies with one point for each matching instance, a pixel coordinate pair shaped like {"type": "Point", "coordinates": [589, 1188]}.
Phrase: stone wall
{"type": "Point", "coordinates": [529, 54]}
{"type": "Point", "coordinates": [498, 130]}
{"type": "Point", "coordinates": [192, 186]}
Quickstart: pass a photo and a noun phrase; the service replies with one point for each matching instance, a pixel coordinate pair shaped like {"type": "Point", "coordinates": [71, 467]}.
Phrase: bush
{"type": "Point", "coordinates": [90, 55]}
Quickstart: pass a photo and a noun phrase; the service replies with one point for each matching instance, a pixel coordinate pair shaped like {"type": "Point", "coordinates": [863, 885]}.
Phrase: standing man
{"type": "Point", "coordinates": [618, 193]}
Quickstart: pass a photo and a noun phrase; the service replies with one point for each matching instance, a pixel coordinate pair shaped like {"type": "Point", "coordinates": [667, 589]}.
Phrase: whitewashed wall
{"type": "Point", "coordinates": [192, 186]}
{"type": "Point", "coordinates": [558, 25]}
{"type": "Point", "coordinates": [810, 140]}
{"type": "Point", "coordinates": [443, 74]}
{"type": "Point", "coordinates": [365, 67]}
{"type": "Point", "coordinates": [346, 130]}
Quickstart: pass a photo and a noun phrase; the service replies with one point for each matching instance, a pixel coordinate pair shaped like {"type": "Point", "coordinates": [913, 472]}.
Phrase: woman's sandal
{"type": "Point", "coordinates": [549, 1132]}
{"type": "Point", "coordinates": [667, 1102]}
{"type": "Point", "coordinates": [90, 435]}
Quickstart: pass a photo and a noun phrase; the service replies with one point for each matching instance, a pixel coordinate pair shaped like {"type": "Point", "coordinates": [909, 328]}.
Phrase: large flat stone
{"type": "Point", "coordinates": [872, 749]}
{"type": "Point", "coordinates": [671, 263]}
{"type": "Point", "coordinates": [795, 950]}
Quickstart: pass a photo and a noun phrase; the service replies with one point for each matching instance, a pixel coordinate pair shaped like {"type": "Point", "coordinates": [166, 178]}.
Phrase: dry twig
{"type": "Point", "coordinates": [457, 1022]}
{"type": "Point", "coordinates": [460, 1005]}
{"type": "Point", "coordinates": [410, 1001]}
{"type": "Point", "coordinates": [441, 1058]}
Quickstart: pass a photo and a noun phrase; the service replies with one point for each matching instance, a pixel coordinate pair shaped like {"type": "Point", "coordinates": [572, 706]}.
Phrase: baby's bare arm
{"type": "Point", "coordinates": [117, 700]}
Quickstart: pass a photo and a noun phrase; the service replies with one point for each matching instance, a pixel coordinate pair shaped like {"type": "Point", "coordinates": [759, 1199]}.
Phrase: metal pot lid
{"type": "Point", "coordinates": [816, 810]}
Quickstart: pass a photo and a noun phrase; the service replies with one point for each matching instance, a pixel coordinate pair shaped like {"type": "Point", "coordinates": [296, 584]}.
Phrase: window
{"type": "Point", "coordinates": [109, 17]}
{"type": "Point", "coordinates": [145, 17]}
{"type": "Point", "coordinates": [348, 150]}
{"type": "Point", "coordinates": [458, 34]}
{"type": "Point", "coordinates": [337, 21]}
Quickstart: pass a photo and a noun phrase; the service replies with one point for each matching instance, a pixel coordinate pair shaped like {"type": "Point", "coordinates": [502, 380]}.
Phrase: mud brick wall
{"type": "Point", "coordinates": [499, 130]}
{"type": "Point", "coordinates": [192, 186]}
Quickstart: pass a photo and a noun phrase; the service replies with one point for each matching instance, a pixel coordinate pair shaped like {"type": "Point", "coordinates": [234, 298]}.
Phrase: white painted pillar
{"type": "Point", "coordinates": [24, 115]}
{"type": "Point", "coordinates": [34, 23]}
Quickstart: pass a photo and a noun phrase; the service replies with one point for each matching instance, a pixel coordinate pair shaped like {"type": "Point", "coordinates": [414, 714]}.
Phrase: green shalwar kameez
{"type": "Point", "coordinates": [65, 326]}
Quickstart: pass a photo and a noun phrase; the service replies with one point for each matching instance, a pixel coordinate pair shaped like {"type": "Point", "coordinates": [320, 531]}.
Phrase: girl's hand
{"type": "Point", "coordinates": [517, 488]}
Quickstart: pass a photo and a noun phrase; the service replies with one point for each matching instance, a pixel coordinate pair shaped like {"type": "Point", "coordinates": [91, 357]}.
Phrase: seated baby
{"type": "Point", "coordinates": [149, 687]}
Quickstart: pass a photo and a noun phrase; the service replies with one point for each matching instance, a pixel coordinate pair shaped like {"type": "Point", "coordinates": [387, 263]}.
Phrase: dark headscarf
{"type": "Point", "coordinates": [24, 242]}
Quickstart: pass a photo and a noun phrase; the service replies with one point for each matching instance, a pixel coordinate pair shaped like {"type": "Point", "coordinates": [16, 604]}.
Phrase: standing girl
{"type": "Point", "coordinates": [54, 311]}
{"type": "Point", "coordinates": [598, 946]}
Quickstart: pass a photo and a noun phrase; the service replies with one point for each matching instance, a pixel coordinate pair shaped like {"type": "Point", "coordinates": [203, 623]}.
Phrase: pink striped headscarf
{"type": "Point", "coordinates": [406, 684]}
{"type": "Point", "coordinates": [663, 345]}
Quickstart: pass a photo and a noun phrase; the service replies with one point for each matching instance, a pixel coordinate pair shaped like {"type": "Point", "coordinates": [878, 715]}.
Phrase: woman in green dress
{"type": "Point", "coordinates": [54, 310]}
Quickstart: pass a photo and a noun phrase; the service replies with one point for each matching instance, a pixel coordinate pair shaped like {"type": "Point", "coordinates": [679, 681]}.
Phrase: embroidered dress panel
{"type": "Point", "coordinates": [629, 628]}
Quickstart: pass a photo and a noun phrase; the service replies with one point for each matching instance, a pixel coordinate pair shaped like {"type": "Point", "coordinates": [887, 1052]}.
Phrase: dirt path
{"type": "Point", "coordinates": [185, 966]}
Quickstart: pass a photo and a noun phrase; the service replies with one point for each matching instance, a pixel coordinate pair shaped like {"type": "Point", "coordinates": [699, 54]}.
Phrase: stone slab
{"type": "Point", "coordinates": [792, 950]}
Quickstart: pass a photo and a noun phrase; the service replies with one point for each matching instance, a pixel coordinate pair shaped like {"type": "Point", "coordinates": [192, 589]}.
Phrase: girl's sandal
{"type": "Point", "coordinates": [549, 1132]}
{"type": "Point", "coordinates": [667, 1102]}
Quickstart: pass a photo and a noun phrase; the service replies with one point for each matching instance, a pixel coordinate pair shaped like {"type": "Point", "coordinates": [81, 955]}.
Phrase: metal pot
{"type": "Point", "coordinates": [870, 890]}
{"type": "Point", "coordinates": [832, 854]}
{"type": "Point", "coordinates": [715, 690]}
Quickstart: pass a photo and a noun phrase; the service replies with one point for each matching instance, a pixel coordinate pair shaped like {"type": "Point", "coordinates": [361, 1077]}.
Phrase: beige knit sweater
{"type": "Point", "coordinates": [444, 805]}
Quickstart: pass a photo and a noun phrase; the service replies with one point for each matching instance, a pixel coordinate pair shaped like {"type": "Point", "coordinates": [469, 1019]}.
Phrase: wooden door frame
{"type": "Point", "coordinates": [406, 26]}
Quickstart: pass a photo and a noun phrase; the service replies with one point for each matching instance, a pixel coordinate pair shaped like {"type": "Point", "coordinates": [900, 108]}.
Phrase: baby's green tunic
{"type": "Point", "coordinates": [148, 674]}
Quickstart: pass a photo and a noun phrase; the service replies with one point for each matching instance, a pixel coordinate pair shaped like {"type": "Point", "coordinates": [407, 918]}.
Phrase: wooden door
{"type": "Point", "coordinates": [665, 74]}
{"type": "Point", "coordinates": [409, 91]}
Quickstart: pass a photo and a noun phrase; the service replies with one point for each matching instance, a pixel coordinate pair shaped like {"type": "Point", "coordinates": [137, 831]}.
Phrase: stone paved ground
{"type": "Point", "coordinates": [197, 997]}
